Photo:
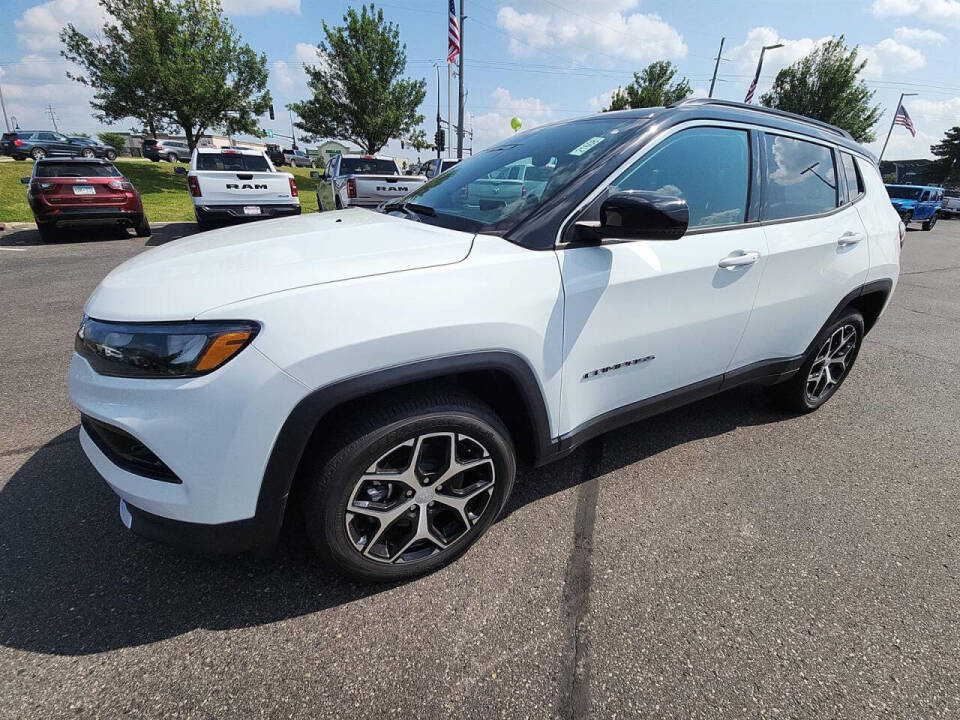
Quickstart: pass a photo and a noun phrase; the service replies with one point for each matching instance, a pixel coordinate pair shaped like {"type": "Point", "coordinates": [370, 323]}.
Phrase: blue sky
{"type": "Point", "coordinates": [544, 60]}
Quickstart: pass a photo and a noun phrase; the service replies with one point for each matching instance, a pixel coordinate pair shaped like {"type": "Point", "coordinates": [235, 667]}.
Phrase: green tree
{"type": "Point", "coordinates": [168, 62]}
{"type": "Point", "coordinates": [359, 93]}
{"type": "Point", "coordinates": [77, 134]}
{"type": "Point", "coordinates": [116, 140]}
{"type": "Point", "coordinates": [653, 87]}
{"type": "Point", "coordinates": [825, 85]}
{"type": "Point", "coordinates": [948, 153]}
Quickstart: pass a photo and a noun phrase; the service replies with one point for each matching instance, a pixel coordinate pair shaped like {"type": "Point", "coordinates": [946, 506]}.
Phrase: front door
{"type": "Point", "coordinates": [648, 317]}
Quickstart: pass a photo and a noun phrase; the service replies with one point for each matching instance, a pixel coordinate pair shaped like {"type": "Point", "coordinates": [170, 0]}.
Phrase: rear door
{"type": "Point", "coordinates": [817, 247]}
{"type": "Point", "coordinates": [649, 317]}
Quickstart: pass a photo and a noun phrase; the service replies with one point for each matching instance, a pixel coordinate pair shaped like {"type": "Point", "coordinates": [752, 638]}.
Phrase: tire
{"type": "Point", "coordinates": [48, 231]}
{"type": "Point", "coordinates": [87, 153]}
{"type": "Point", "coordinates": [111, 155]}
{"type": "Point", "coordinates": [816, 381]}
{"type": "Point", "coordinates": [156, 159]}
{"type": "Point", "coordinates": [928, 225]}
{"type": "Point", "coordinates": [204, 225]}
{"type": "Point", "coordinates": [172, 157]}
{"type": "Point", "coordinates": [38, 153]}
{"type": "Point", "coordinates": [383, 547]}
{"type": "Point", "coordinates": [142, 228]}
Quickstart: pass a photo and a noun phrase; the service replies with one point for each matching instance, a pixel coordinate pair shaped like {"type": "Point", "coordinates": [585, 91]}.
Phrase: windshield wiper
{"type": "Point", "coordinates": [409, 207]}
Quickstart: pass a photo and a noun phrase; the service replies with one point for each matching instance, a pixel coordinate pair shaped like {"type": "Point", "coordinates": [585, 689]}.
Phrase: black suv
{"type": "Point", "coordinates": [38, 144]}
{"type": "Point", "coordinates": [92, 149]}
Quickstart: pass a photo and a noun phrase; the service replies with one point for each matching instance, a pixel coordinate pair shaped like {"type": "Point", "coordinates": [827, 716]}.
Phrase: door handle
{"type": "Point", "coordinates": [739, 258]}
{"type": "Point", "coordinates": [849, 238]}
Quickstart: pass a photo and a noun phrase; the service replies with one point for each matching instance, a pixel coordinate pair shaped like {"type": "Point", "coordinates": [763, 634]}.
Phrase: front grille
{"type": "Point", "coordinates": [126, 451]}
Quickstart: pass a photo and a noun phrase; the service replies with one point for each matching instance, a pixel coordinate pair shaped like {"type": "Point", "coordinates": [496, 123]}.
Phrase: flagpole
{"type": "Point", "coordinates": [892, 123]}
{"type": "Point", "coordinates": [449, 106]}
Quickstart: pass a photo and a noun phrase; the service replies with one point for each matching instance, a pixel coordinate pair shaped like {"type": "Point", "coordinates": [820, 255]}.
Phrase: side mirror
{"type": "Point", "coordinates": [179, 170]}
{"type": "Point", "coordinates": [638, 215]}
{"type": "Point", "coordinates": [315, 174]}
{"type": "Point", "coordinates": [25, 181]}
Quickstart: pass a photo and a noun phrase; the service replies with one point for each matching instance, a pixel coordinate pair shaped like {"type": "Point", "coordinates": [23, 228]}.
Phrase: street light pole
{"type": "Point", "coordinates": [713, 80]}
{"type": "Point", "coordinates": [437, 136]}
{"type": "Point", "coordinates": [4, 108]}
{"type": "Point", "coordinates": [756, 78]}
{"type": "Point", "coordinates": [892, 123]}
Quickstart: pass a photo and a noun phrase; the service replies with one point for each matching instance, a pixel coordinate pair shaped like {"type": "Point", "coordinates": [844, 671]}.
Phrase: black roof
{"type": "Point", "coordinates": [712, 109]}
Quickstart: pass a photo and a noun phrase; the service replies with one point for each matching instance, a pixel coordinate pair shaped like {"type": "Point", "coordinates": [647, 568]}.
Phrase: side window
{"type": "Point", "coordinates": [925, 196]}
{"type": "Point", "coordinates": [708, 167]}
{"type": "Point", "coordinates": [801, 179]}
{"type": "Point", "coordinates": [854, 181]}
{"type": "Point", "coordinates": [46, 136]}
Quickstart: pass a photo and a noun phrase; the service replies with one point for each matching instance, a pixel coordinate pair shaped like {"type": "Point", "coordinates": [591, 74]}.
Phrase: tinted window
{"type": "Point", "coordinates": [363, 166]}
{"type": "Point", "coordinates": [232, 162]}
{"type": "Point", "coordinates": [67, 169]}
{"type": "Point", "coordinates": [46, 136]}
{"type": "Point", "coordinates": [925, 196]}
{"type": "Point", "coordinates": [708, 167]}
{"type": "Point", "coordinates": [903, 192]}
{"type": "Point", "coordinates": [852, 173]}
{"type": "Point", "coordinates": [800, 178]}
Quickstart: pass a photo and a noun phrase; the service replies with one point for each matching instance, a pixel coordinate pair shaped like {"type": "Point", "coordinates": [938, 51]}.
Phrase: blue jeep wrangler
{"type": "Point", "coordinates": [917, 203]}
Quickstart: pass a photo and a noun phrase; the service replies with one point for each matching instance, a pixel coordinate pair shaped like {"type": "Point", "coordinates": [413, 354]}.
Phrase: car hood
{"type": "Point", "coordinates": [186, 277]}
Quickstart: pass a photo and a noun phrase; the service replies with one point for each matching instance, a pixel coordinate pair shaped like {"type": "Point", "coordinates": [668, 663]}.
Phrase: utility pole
{"type": "Point", "coordinates": [52, 114]}
{"type": "Point", "coordinates": [463, 18]}
{"type": "Point", "coordinates": [4, 108]}
{"type": "Point", "coordinates": [713, 80]}
{"type": "Point", "coordinates": [437, 136]}
{"type": "Point", "coordinates": [293, 133]}
{"type": "Point", "coordinates": [892, 123]}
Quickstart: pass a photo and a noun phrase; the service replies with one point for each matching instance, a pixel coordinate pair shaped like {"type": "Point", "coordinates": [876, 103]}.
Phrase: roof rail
{"type": "Point", "coordinates": [770, 111]}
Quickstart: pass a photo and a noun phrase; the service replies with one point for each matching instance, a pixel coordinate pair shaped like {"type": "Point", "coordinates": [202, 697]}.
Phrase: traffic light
{"type": "Point", "coordinates": [440, 139]}
{"type": "Point", "coordinates": [271, 113]}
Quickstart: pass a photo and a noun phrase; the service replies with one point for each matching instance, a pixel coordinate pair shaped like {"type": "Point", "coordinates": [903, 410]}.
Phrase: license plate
{"type": "Point", "coordinates": [251, 209]}
{"type": "Point", "coordinates": [84, 190]}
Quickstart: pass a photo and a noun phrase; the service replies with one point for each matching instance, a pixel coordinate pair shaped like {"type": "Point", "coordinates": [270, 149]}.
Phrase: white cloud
{"type": "Point", "coordinates": [931, 11]}
{"type": "Point", "coordinates": [38, 29]}
{"type": "Point", "coordinates": [493, 126]}
{"type": "Point", "coordinates": [918, 35]}
{"type": "Point", "coordinates": [595, 28]}
{"type": "Point", "coordinates": [745, 55]}
{"type": "Point", "coordinates": [259, 7]}
{"type": "Point", "coordinates": [889, 55]}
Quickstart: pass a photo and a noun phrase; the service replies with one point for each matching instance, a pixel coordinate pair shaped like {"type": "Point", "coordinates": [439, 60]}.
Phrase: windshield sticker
{"type": "Point", "coordinates": [577, 151]}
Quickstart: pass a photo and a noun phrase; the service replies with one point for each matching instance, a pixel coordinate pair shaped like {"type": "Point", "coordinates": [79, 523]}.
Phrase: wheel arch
{"type": "Point", "coordinates": [502, 379]}
{"type": "Point", "coordinates": [869, 299]}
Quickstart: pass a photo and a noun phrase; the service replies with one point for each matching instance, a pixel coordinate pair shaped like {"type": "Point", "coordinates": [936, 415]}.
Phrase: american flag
{"type": "Point", "coordinates": [453, 35]}
{"type": "Point", "coordinates": [753, 86]}
{"type": "Point", "coordinates": [903, 118]}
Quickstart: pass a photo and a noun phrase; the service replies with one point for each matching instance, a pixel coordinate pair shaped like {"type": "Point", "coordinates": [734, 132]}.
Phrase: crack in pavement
{"type": "Point", "coordinates": [575, 694]}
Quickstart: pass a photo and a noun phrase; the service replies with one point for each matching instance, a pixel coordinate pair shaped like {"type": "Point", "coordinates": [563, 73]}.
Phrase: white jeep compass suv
{"type": "Point", "coordinates": [382, 372]}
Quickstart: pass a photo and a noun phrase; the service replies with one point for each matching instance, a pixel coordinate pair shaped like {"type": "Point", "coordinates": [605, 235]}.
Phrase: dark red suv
{"type": "Point", "coordinates": [80, 190]}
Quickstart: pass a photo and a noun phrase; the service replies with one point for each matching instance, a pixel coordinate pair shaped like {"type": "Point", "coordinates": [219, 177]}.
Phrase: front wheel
{"type": "Point", "coordinates": [409, 487]}
{"type": "Point", "coordinates": [832, 356]}
{"type": "Point", "coordinates": [928, 225]}
{"type": "Point", "coordinates": [111, 155]}
{"type": "Point", "coordinates": [87, 153]}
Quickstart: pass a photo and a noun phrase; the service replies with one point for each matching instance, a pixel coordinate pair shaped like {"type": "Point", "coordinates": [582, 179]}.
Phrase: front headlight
{"type": "Point", "coordinates": [162, 350]}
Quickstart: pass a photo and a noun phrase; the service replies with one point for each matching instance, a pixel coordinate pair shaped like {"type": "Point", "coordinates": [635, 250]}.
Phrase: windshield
{"type": "Point", "coordinates": [365, 166]}
{"type": "Point", "coordinates": [68, 169]}
{"type": "Point", "coordinates": [904, 193]}
{"type": "Point", "coordinates": [493, 190]}
{"type": "Point", "coordinates": [232, 162]}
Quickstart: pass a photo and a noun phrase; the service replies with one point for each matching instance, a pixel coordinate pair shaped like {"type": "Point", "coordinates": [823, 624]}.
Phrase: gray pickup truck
{"type": "Point", "coordinates": [365, 181]}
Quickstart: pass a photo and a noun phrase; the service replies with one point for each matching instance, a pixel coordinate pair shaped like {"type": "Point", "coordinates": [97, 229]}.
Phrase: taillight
{"type": "Point", "coordinates": [18, 142]}
{"type": "Point", "coordinates": [293, 188]}
{"type": "Point", "coordinates": [120, 185]}
{"type": "Point", "coordinates": [351, 188]}
{"type": "Point", "coordinates": [194, 184]}
{"type": "Point", "coordinates": [37, 186]}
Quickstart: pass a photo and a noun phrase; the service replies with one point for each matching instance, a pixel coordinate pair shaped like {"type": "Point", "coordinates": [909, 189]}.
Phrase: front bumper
{"type": "Point", "coordinates": [215, 433]}
{"type": "Point", "coordinates": [235, 213]}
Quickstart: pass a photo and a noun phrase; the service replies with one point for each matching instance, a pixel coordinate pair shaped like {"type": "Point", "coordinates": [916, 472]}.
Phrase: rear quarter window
{"type": "Point", "coordinates": [801, 179]}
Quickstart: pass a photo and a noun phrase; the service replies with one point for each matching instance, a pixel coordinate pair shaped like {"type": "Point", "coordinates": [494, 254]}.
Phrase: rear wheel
{"type": "Point", "coordinates": [172, 157]}
{"type": "Point", "coordinates": [87, 153]}
{"type": "Point", "coordinates": [111, 155]}
{"type": "Point", "coordinates": [409, 487]}
{"type": "Point", "coordinates": [834, 352]}
{"type": "Point", "coordinates": [928, 225]}
{"type": "Point", "coordinates": [47, 230]}
{"type": "Point", "coordinates": [38, 153]}
{"type": "Point", "coordinates": [142, 228]}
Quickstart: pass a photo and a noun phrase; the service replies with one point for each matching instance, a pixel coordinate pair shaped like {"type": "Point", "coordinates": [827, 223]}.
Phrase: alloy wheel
{"type": "Point", "coordinates": [420, 498]}
{"type": "Point", "coordinates": [831, 363]}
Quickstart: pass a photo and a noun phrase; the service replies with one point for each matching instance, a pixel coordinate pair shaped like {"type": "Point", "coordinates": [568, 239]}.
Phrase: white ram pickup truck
{"type": "Point", "coordinates": [231, 185]}
{"type": "Point", "coordinates": [366, 181]}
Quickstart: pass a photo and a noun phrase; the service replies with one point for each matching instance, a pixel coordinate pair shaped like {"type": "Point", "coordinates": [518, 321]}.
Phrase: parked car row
{"type": "Point", "coordinates": [39, 144]}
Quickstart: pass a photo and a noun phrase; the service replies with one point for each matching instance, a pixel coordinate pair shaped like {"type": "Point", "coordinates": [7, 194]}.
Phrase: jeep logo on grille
{"type": "Point", "coordinates": [246, 186]}
{"type": "Point", "coordinates": [391, 188]}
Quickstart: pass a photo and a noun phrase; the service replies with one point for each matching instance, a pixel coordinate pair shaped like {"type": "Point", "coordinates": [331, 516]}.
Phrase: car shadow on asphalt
{"type": "Point", "coordinates": [74, 581]}
{"type": "Point", "coordinates": [161, 234]}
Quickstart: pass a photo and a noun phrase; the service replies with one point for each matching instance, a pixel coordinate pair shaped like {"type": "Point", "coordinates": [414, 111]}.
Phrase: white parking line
{"type": "Point", "coordinates": [15, 249]}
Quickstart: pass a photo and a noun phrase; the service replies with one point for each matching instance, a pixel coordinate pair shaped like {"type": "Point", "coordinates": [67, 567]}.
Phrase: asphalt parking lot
{"type": "Point", "coordinates": [723, 560]}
